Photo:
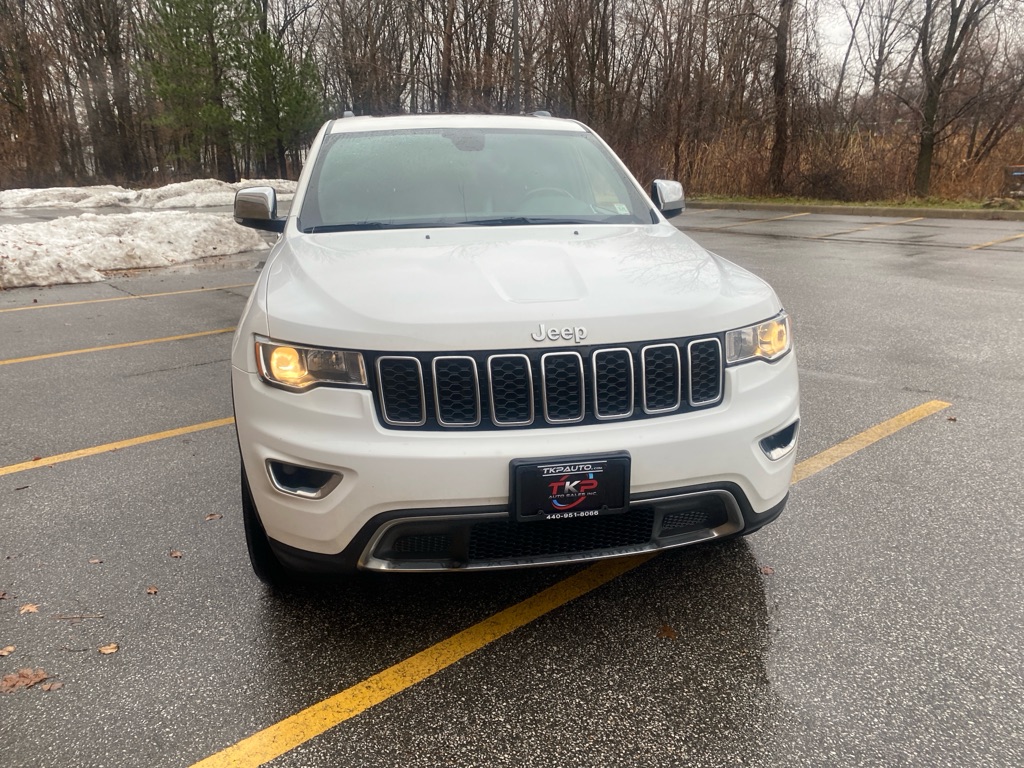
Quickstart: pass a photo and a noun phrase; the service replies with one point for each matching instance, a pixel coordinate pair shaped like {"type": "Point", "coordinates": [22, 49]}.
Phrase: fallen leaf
{"type": "Point", "coordinates": [667, 633]}
{"type": "Point", "coordinates": [767, 570]}
{"type": "Point", "coordinates": [37, 458]}
{"type": "Point", "coordinates": [110, 648]}
{"type": "Point", "coordinates": [22, 487]}
{"type": "Point", "coordinates": [7, 650]}
{"type": "Point", "coordinates": [95, 561]}
{"type": "Point", "coordinates": [213, 516]}
{"type": "Point", "coordinates": [56, 685]}
{"type": "Point", "coordinates": [23, 678]}
{"type": "Point", "coordinates": [176, 554]}
{"type": "Point", "coordinates": [4, 596]}
{"type": "Point", "coordinates": [951, 418]}
{"type": "Point", "coordinates": [28, 608]}
{"type": "Point", "coordinates": [151, 590]}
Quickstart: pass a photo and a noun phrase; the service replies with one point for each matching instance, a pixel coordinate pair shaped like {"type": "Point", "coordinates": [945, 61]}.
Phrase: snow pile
{"type": "Point", "coordinates": [78, 249]}
{"type": "Point", "coordinates": [201, 193]}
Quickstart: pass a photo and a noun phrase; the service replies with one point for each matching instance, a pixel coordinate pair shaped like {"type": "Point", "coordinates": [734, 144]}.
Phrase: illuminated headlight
{"type": "Point", "coordinates": [769, 340]}
{"type": "Point", "coordinates": [299, 368]}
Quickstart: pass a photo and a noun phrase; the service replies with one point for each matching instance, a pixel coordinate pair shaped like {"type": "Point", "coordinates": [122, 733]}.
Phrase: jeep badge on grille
{"type": "Point", "coordinates": [569, 333]}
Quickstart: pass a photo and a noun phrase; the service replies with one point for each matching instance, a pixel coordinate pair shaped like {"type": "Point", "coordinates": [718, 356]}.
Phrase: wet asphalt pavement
{"type": "Point", "coordinates": [878, 622]}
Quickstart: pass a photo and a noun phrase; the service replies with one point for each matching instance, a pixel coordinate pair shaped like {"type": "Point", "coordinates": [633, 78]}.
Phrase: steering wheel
{"type": "Point", "coordinates": [548, 191]}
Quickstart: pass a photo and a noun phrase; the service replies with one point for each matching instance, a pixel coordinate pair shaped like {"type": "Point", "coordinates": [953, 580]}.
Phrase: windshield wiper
{"type": "Point", "coordinates": [356, 227]}
{"type": "Point", "coordinates": [519, 221]}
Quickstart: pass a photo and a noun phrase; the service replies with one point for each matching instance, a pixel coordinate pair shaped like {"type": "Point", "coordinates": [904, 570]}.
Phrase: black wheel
{"type": "Point", "coordinates": [264, 562]}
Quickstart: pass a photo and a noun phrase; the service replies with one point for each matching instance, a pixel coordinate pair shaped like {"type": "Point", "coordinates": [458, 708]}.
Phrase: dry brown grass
{"type": "Point", "coordinates": [856, 166]}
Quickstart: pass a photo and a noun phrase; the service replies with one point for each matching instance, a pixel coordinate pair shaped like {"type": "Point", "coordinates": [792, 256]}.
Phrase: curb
{"type": "Point", "coordinates": [993, 214]}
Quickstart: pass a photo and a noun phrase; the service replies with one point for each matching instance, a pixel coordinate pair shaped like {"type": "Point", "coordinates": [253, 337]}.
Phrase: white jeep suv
{"type": "Point", "coordinates": [479, 344]}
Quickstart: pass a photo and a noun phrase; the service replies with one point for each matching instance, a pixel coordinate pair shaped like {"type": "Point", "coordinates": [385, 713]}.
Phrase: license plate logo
{"type": "Point", "coordinates": [560, 489]}
{"type": "Point", "coordinates": [577, 484]}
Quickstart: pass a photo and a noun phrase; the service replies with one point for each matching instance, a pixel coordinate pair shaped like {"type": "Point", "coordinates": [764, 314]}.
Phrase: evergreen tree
{"type": "Point", "coordinates": [196, 47]}
{"type": "Point", "coordinates": [279, 104]}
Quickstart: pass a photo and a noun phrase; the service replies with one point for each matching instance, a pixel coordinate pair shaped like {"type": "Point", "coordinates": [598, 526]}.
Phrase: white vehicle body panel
{"type": "Point", "coordinates": [480, 290]}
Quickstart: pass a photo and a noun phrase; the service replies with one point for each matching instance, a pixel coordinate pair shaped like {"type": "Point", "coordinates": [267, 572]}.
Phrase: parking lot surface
{"type": "Point", "coordinates": [877, 622]}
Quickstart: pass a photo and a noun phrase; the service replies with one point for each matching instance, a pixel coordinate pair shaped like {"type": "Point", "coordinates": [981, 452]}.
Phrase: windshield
{"type": "Point", "coordinates": [466, 177]}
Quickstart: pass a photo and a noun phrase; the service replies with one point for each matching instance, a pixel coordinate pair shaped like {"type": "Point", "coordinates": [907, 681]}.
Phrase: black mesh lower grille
{"type": "Point", "coordinates": [489, 539]}
{"type": "Point", "coordinates": [698, 518]}
{"type": "Point", "coordinates": [502, 540]}
{"type": "Point", "coordinates": [436, 544]}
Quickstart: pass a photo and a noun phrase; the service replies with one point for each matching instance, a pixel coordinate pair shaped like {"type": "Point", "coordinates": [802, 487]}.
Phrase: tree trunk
{"type": "Point", "coordinates": [446, 56]}
{"type": "Point", "coordinates": [780, 93]}
{"type": "Point", "coordinates": [926, 145]}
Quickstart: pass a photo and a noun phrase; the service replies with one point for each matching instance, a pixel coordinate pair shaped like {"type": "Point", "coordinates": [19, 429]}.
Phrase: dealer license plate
{"type": "Point", "coordinates": [567, 488]}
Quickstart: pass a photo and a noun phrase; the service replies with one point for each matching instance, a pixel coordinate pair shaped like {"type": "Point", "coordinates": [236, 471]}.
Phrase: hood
{"type": "Point", "coordinates": [504, 287]}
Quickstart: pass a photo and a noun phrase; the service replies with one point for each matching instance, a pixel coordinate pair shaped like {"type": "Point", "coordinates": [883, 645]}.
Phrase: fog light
{"type": "Point", "coordinates": [307, 482]}
{"type": "Point", "coordinates": [781, 443]}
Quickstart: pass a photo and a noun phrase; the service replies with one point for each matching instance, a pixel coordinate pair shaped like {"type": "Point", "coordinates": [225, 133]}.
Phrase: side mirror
{"type": "Point", "coordinates": [256, 207]}
{"type": "Point", "coordinates": [668, 197]}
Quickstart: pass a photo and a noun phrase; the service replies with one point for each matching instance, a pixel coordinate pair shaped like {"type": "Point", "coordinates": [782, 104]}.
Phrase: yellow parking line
{"type": "Point", "coordinates": [762, 221]}
{"type": "Point", "coordinates": [293, 731]}
{"type": "Point", "coordinates": [126, 298]}
{"type": "Point", "coordinates": [124, 345]}
{"type": "Point", "coordinates": [815, 464]}
{"type": "Point", "coordinates": [285, 735]}
{"type": "Point", "coordinates": [869, 228]}
{"type": "Point", "coordinates": [108, 447]}
{"type": "Point", "coordinates": [996, 242]}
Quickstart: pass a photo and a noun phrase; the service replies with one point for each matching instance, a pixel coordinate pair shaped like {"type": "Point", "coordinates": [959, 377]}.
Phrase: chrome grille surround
{"type": "Point", "coordinates": [595, 361]}
{"type": "Point", "coordinates": [391, 393]}
{"type": "Point", "coordinates": [563, 381]}
{"type": "Point", "coordinates": [473, 379]}
{"type": "Point", "coordinates": [646, 355]}
{"type": "Point", "coordinates": [711, 393]}
{"type": "Point", "coordinates": [508, 378]}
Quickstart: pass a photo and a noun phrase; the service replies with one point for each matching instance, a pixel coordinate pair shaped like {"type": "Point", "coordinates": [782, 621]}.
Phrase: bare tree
{"type": "Point", "coordinates": [946, 27]}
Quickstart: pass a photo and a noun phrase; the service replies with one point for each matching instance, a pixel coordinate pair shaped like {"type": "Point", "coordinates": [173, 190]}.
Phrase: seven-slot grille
{"type": "Point", "coordinates": [547, 387]}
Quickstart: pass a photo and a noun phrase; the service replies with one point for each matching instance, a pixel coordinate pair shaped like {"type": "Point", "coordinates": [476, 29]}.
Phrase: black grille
{"type": "Point", "coordinates": [537, 387]}
{"type": "Point", "coordinates": [705, 371]}
{"type": "Point", "coordinates": [500, 540]}
{"type": "Point", "coordinates": [661, 378]}
{"type": "Point", "coordinates": [401, 390]}
{"type": "Point", "coordinates": [613, 383]}
{"type": "Point", "coordinates": [436, 544]}
{"type": "Point", "coordinates": [456, 391]}
{"type": "Point", "coordinates": [695, 519]}
{"type": "Point", "coordinates": [511, 391]}
{"type": "Point", "coordinates": [562, 375]}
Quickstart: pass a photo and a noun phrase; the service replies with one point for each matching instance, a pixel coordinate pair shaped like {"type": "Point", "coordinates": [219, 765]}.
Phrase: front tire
{"type": "Point", "coordinates": [265, 564]}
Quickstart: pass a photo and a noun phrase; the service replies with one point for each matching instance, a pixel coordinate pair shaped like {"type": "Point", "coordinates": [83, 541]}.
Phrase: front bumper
{"type": "Point", "coordinates": [418, 485]}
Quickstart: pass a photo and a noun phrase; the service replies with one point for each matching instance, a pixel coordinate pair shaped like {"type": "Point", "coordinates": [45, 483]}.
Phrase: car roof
{"type": "Point", "coordinates": [434, 121]}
